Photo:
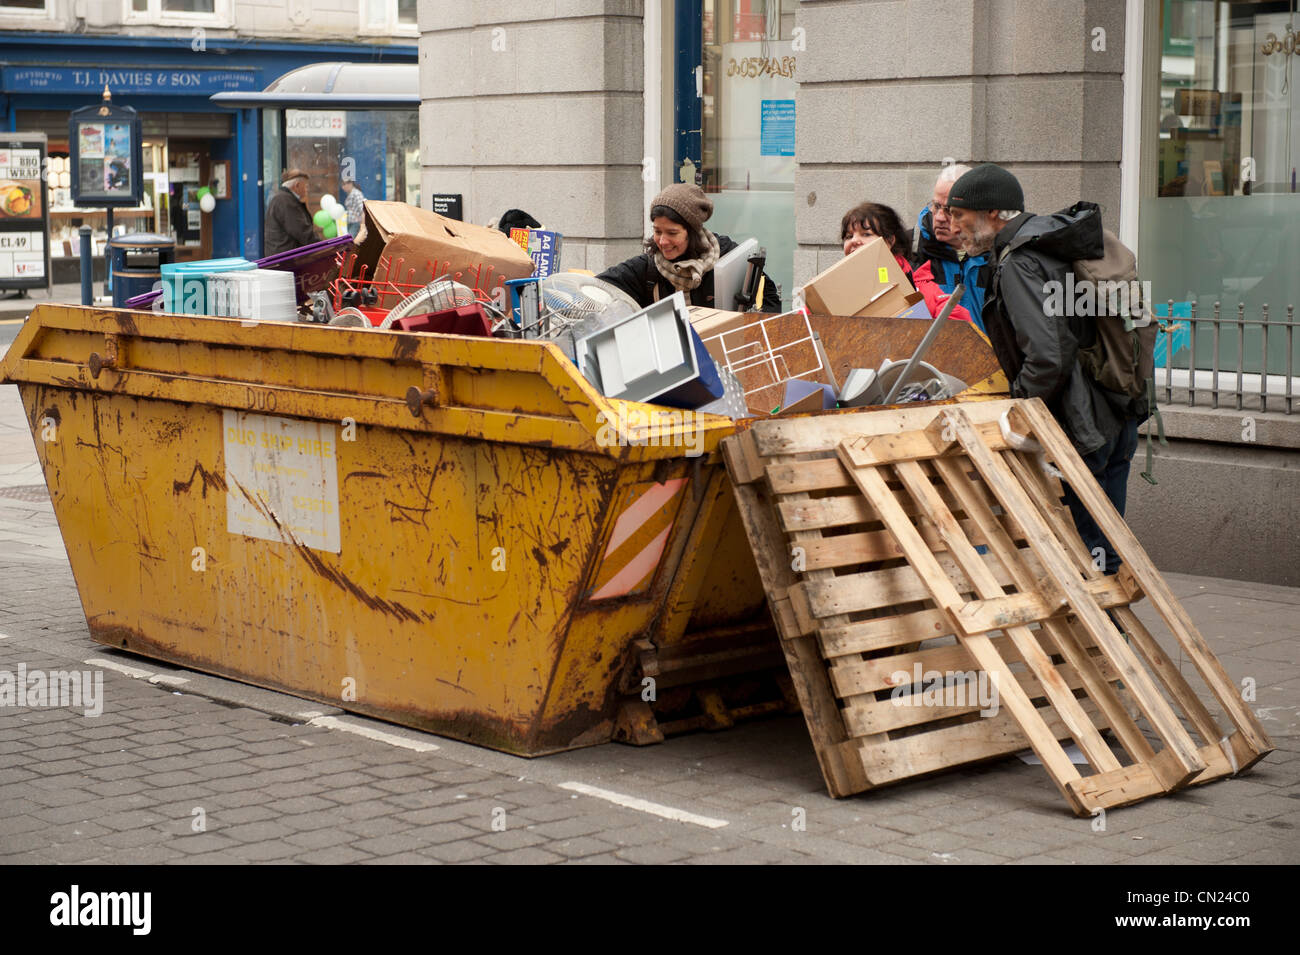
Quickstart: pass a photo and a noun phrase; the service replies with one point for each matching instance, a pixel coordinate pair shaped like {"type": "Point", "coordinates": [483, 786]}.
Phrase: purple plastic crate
{"type": "Point", "coordinates": [312, 265]}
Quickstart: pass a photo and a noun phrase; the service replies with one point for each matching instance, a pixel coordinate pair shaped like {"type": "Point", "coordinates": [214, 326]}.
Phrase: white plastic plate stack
{"type": "Point", "coordinates": [265, 295]}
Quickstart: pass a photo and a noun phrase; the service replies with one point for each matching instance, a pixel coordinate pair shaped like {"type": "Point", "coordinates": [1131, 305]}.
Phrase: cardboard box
{"type": "Point", "coordinates": [867, 283]}
{"type": "Point", "coordinates": [420, 246]}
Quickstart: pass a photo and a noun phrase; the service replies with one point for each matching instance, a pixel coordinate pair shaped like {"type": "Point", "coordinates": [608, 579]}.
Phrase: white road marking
{"type": "Point", "coordinates": [134, 673]}
{"type": "Point", "coordinates": [642, 805]}
{"type": "Point", "coordinates": [162, 680]}
{"type": "Point", "coordinates": [334, 723]}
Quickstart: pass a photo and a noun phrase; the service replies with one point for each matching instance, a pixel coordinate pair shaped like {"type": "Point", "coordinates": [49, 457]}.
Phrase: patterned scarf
{"type": "Point", "coordinates": [685, 274]}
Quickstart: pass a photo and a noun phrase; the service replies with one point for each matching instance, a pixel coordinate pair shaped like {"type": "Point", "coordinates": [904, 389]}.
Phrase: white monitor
{"type": "Point", "coordinates": [729, 275]}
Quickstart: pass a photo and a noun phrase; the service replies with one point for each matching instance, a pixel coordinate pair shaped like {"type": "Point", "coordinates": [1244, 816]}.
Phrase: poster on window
{"type": "Point", "coordinates": [24, 212]}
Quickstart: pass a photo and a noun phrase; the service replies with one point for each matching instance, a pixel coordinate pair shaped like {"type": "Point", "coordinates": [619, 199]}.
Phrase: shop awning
{"type": "Point", "coordinates": [337, 86]}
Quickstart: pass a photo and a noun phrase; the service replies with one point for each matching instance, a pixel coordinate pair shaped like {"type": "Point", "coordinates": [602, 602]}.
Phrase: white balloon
{"type": "Point", "coordinates": [338, 212]}
{"type": "Point", "coordinates": [327, 202]}
{"type": "Point", "coordinates": [208, 202]}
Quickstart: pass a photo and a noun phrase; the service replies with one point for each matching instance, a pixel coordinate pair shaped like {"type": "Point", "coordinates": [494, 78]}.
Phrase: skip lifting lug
{"type": "Point", "coordinates": [418, 398]}
{"type": "Point", "coordinates": [98, 364]}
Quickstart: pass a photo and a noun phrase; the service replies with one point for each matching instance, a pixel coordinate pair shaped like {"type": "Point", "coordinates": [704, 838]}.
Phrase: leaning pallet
{"type": "Point", "coordinates": [937, 607]}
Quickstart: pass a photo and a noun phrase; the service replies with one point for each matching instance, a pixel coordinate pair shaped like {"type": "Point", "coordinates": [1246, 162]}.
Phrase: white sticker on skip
{"type": "Point", "coordinates": [290, 470]}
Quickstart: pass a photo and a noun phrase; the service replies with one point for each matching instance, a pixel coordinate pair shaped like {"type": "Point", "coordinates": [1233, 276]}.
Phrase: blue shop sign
{"type": "Point", "coordinates": [125, 80]}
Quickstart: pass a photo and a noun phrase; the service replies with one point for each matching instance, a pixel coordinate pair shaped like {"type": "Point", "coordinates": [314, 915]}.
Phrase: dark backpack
{"type": "Point", "coordinates": [1121, 357]}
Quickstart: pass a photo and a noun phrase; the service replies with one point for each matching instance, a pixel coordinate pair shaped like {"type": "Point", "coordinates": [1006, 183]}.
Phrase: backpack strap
{"type": "Point", "coordinates": [1149, 475]}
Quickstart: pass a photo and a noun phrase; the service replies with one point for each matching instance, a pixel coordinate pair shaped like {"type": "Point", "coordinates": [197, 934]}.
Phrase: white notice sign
{"type": "Point", "coordinates": [291, 468]}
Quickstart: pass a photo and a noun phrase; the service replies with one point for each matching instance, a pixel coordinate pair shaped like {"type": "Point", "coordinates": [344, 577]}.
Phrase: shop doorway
{"type": "Point", "coordinates": [735, 65]}
{"type": "Point", "coordinates": [188, 170]}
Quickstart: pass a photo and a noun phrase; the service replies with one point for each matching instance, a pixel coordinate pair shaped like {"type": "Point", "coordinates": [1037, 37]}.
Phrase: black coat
{"type": "Point", "coordinates": [639, 278]}
{"type": "Point", "coordinates": [288, 224]}
{"type": "Point", "coordinates": [1038, 351]}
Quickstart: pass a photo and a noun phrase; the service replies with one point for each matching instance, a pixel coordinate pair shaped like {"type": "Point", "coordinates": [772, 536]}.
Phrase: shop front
{"type": "Point", "coordinates": [189, 141]}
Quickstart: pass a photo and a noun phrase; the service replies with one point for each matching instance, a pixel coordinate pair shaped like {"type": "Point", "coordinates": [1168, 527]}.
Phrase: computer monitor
{"type": "Point", "coordinates": [729, 274]}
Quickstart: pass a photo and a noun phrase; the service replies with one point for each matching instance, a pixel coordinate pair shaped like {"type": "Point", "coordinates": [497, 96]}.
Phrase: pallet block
{"type": "Point", "coordinates": [897, 546]}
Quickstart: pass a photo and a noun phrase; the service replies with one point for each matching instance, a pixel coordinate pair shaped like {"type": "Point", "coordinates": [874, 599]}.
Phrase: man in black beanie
{"type": "Point", "coordinates": [1037, 347]}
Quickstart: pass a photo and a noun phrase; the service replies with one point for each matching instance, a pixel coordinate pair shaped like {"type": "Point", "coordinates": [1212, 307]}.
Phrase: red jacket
{"type": "Point", "coordinates": [935, 297]}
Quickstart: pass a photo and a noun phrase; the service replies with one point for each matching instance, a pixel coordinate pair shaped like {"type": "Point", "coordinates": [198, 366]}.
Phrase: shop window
{"type": "Point", "coordinates": [388, 17]}
{"type": "Point", "coordinates": [22, 8]}
{"type": "Point", "coordinates": [178, 12]}
{"type": "Point", "coordinates": [379, 148]}
{"type": "Point", "coordinates": [1220, 217]}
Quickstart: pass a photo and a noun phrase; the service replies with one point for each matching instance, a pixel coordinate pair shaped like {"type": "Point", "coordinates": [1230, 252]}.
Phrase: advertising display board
{"type": "Point", "coordinates": [24, 212]}
{"type": "Point", "coordinates": [107, 156]}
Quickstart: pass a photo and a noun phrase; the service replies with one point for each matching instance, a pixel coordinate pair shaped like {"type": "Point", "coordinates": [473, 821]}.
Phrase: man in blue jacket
{"type": "Point", "coordinates": [934, 242]}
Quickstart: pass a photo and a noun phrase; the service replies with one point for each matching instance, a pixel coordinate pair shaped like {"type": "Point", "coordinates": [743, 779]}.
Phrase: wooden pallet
{"type": "Point", "coordinates": [919, 538]}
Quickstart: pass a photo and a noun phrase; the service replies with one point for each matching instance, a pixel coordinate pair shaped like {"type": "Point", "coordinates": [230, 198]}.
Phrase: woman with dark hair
{"type": "Point", "coordinates": [870, 220]}
{"type": "Point", "coordinates": [680, 254]}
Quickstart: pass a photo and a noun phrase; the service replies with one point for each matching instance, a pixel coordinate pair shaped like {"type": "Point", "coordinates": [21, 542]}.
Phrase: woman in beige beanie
{"type": "Point", "coordinates": [680, 254]}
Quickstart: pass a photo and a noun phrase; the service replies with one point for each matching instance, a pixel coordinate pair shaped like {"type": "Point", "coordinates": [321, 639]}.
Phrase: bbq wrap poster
{"type": "Point", "coordinates": [24, 211]}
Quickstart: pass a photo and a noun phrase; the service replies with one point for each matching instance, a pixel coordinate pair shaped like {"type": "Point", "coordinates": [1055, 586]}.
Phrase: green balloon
{"type": "Point", "coordinates": [322, 218]}
{"type": "Point", "coordinates": [330, 231]}
{"type": "Point", "coordinates": [203, 191]}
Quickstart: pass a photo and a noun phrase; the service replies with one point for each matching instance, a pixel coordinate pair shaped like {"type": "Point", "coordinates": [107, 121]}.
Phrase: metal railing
{"type": "Point", "coordinates": [1201, 375]}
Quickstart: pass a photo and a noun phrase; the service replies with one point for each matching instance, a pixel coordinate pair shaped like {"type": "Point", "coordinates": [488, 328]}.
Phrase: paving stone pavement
{"type": "Point", "coordinates": [208, 770]}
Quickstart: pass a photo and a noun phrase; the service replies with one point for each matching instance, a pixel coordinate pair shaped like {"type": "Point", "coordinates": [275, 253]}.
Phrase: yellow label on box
{"type": "Point", "coordinates": [883, 274]}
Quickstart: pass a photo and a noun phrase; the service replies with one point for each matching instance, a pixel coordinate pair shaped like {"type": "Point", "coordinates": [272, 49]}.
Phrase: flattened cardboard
{"type": "Point", "coordinates": [428, 246]}
{"type": "Point", "coordinates": [867, 283]}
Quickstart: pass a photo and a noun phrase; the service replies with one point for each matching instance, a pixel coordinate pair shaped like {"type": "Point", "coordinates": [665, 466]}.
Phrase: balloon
{"type": "Point", "coordinates": [327, 201]}
{"type": "Point", "coordinates": [339, 211]}
{"type": "Point", "coordinates": [208, 203]}
{"type": "Point", "coordinates": [330, 231]}
{"type": "Point", "coordinates": [322, 218]}
{"type": "Point", "coordinates": [203, 191]}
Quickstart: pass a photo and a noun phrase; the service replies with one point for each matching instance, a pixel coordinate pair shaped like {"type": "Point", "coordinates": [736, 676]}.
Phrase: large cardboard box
{"type": "Point", "coordinates": [404, 243]}
{"type": "Point", "coordinates": [868, 282]}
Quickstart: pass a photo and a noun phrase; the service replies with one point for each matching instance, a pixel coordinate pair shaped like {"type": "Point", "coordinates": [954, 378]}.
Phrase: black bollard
{"type": "Point", "coordinates": [87, 267]}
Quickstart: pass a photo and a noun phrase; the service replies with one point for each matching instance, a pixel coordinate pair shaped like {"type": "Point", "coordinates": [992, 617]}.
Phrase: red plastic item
{"type": "Point", "coordinates": [465, 320]}
{"type": "Point", "coordinates": [384, 294]}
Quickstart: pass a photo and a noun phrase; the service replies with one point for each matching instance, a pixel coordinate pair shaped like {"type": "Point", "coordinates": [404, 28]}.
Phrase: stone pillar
{"type": "Point", "coordinates": [537, 106]}
{"type": "Point", "coordinates": [889, 89]}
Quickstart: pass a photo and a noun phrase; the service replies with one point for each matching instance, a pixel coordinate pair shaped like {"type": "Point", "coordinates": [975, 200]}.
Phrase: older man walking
{"type": "Point", "coordinates": [288, 221]}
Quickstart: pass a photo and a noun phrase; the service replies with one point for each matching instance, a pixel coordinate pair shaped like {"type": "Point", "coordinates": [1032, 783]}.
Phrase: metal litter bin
{"type": "Point", "coordinates": [137, 260]}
